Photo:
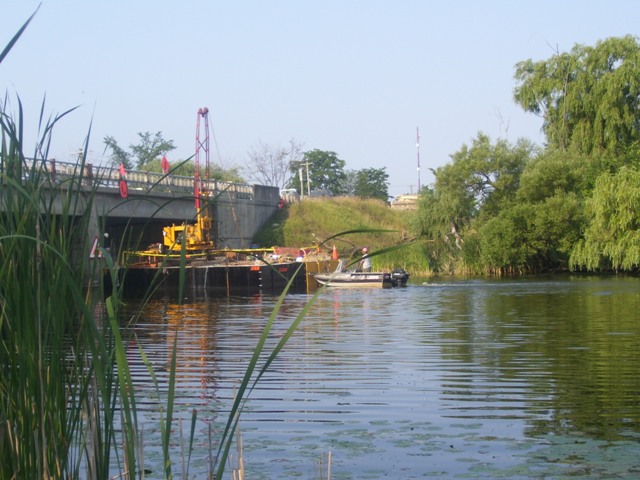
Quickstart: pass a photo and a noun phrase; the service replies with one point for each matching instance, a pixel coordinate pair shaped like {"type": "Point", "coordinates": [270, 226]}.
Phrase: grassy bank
{"type": "Point", "coordinates": [314, 220]}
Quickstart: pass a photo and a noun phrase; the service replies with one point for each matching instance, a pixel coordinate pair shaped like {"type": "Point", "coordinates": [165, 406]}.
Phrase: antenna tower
{"type": "Point", "coordinates": [418, 153]}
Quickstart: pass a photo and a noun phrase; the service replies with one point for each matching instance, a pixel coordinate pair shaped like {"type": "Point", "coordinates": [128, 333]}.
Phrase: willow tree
{"type": "Point", "coordinates": [588, 98]}
{"type": "Point", "coordinates": [612, 237]}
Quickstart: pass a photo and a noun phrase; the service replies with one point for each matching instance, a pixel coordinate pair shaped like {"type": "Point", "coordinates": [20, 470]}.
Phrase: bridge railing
{"type": "Point", "coordinates": [109, 177]}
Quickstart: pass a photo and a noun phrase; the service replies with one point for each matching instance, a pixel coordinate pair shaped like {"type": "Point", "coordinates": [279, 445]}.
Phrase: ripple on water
{"type": "Point", "coordinates": [475, 379]}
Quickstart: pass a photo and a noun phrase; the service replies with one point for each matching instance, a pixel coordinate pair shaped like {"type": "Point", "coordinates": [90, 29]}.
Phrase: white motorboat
{"type": "Point", "coordinates": [344, 278]}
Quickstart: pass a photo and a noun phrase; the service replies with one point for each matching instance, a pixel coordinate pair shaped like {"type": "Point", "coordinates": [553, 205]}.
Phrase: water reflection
{"type": "Point", "coordinates": [473, 378]}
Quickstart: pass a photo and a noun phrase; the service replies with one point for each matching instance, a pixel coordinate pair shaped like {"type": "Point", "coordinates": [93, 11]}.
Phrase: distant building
{"type": "Point", "coordinates": [290, 195]}
{"type": "Point", "coordinates": [321, 192]}
{"type": "Point", "coordinates": [405, 202]}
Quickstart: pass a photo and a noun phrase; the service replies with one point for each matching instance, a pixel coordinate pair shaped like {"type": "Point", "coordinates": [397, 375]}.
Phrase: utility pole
{"type": "Point", "coordinates": [418, 154]}
{"type": "Point", "coordinates": [308, 179]}
{"type": "Point", "coordinates": [301, 182]}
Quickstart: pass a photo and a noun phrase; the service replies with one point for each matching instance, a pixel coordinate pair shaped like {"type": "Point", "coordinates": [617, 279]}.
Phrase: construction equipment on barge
{"type": "Point", "coordinates": [189, 252]}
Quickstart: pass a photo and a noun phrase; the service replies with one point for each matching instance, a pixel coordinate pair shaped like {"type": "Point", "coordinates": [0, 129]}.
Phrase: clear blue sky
{"type": "Point", "coordinates": [353, 77]}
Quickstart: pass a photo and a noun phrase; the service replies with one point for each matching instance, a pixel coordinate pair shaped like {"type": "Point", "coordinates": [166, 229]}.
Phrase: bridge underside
{"type": "Point", "coordinates": [137, 221]}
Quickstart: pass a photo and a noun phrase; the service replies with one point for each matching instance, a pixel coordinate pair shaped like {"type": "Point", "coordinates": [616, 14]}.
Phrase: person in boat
{"type": "Point", "coordinates": [365, 261]}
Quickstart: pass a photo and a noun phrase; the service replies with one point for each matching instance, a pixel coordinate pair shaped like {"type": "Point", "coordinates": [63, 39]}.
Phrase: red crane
{"type": "Point", "coordinates": [201, 144]}
{"type": "Point", "coordinates": [194, 238]}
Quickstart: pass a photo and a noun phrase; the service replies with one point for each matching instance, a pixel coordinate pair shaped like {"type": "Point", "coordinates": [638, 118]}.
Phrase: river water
{"type": "Point", "coordinates": [519, 379]}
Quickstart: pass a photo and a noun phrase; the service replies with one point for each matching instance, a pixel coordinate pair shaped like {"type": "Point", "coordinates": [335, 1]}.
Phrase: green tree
{"type": "Point", "coordinates": [482, 178]}
{"type": "Point", "coordinates": [491, 172]}
{"type": "Point", "coordinates": [503, 240]}
{"type": "Point", "coordinates": [612, 236]}
{"type": "Point", "coordinates": [187, 169]}
{"type": "Point", "coordinates": [372, 183]}
{"type": "Point", "coordinates": [326, 172]}
{"type": "Point", "coordinates": [151, 147]}
{"type": "Point", "coordinates": [149, 152]}
{"type": "Point", "coordinates": [118, 154]}
{"type": "Point", "coordinates": [349, 184]}
{"type": "Point", "coordinates": [528, 237]}
{"type": "Point", "coordinates": [554, 172]}
{"type": "Point", "coordinates": [232, 174]}
{"type": "Point", "coordinates": [588, 98]}
{"type": "Point", "coordinates": [482, 181]}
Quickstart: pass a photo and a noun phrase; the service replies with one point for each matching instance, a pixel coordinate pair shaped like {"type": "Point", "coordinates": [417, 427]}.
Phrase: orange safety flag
{"type": "Point", "coordinates": [95, 252]}
{"type": "Point", "coordinates": [165, 165]}
{"type": "Point", "coordinates": [123, 172]}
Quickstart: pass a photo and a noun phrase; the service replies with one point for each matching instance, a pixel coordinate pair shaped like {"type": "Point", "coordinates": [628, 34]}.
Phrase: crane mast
{"type": "Point", "coordinates": [195, 237]}
{"type": "Point", "coordinates": [202, 146]}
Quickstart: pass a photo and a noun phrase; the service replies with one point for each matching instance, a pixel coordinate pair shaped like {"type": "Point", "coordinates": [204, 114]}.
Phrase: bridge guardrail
{"type": "Point", "coordinates": [109, 177]}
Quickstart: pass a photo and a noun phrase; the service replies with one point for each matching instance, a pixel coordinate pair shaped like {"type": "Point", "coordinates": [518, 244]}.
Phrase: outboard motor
{"type": "Point", "coordinates": [400, 277]}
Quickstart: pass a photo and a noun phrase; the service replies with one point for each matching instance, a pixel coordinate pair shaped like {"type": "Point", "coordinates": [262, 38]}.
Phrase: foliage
{"type": "Point", "coordinates": [556, 171]}
{"type": "Point", "coordinates": [612, 236]}
{"type": "Point", "coordinates": [349, 183]}
{"type": "Point", "coordinates": [149, 153]}
{"type": "Point", "coordinates": [530, 237]}
{"type": "Point", "coordinates": [272, 165]}
{"type": "Point", "coordinates": [372, 183]}
{"type": "Point", "coordinates": [118, 154]}
{"type": "Point", "coordinates": [57, 389]}
{"type": "Point", "coordinates": [588, 98]}
{"type": "Point", "coordinates": [42, 372]}
{"type": "Point", "coordinates": [325, 172]}
{"type": "Point", "coordinates": [187, 168]}
{"type": "Point", "coordinates": [216, 172]}
{"type": "Point", "coordinates": [151, 148]}
{"type": "Point", "coordinates": [482, 179]}
{"type": "Point", "coordinates": [501, 208]}
{"type": "Point", "coordinates": [503, 243]}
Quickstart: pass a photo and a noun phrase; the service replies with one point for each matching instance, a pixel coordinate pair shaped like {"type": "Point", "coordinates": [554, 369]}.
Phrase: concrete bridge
{"type": "Point", "coordinates": [155, 200]}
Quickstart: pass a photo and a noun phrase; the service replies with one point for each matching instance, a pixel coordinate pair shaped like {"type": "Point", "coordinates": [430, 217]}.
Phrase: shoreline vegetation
{"type": "Point", "coordinates": [516, 208]}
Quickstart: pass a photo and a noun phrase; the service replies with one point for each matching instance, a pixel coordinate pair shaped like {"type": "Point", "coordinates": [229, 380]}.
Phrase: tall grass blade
{"type": "Point", "coordinates": [18, 34]}
{"type": "Point", "coordinates": [166, 432]}
{"type": "Point", "coordinates": [192, 436]}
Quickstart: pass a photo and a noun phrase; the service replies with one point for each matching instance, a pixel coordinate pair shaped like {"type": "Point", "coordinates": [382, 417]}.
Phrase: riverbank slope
{"type": "Point", "coordinates": [313, 220]}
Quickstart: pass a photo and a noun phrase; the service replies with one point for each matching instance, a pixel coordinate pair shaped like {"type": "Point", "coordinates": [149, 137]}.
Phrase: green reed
{"type": "Point", "coordinates": [55, 375]}
{"type": "Point", "coordinates": [57, 390]}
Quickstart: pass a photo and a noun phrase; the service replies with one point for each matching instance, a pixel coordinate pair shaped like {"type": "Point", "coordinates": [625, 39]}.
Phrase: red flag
{"type": "Point", "coordinates": [123, 172]}
{"type": "Point", "coordinates": [124, 190]}
{"type": "Point", "coordinates": [165, 165]}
